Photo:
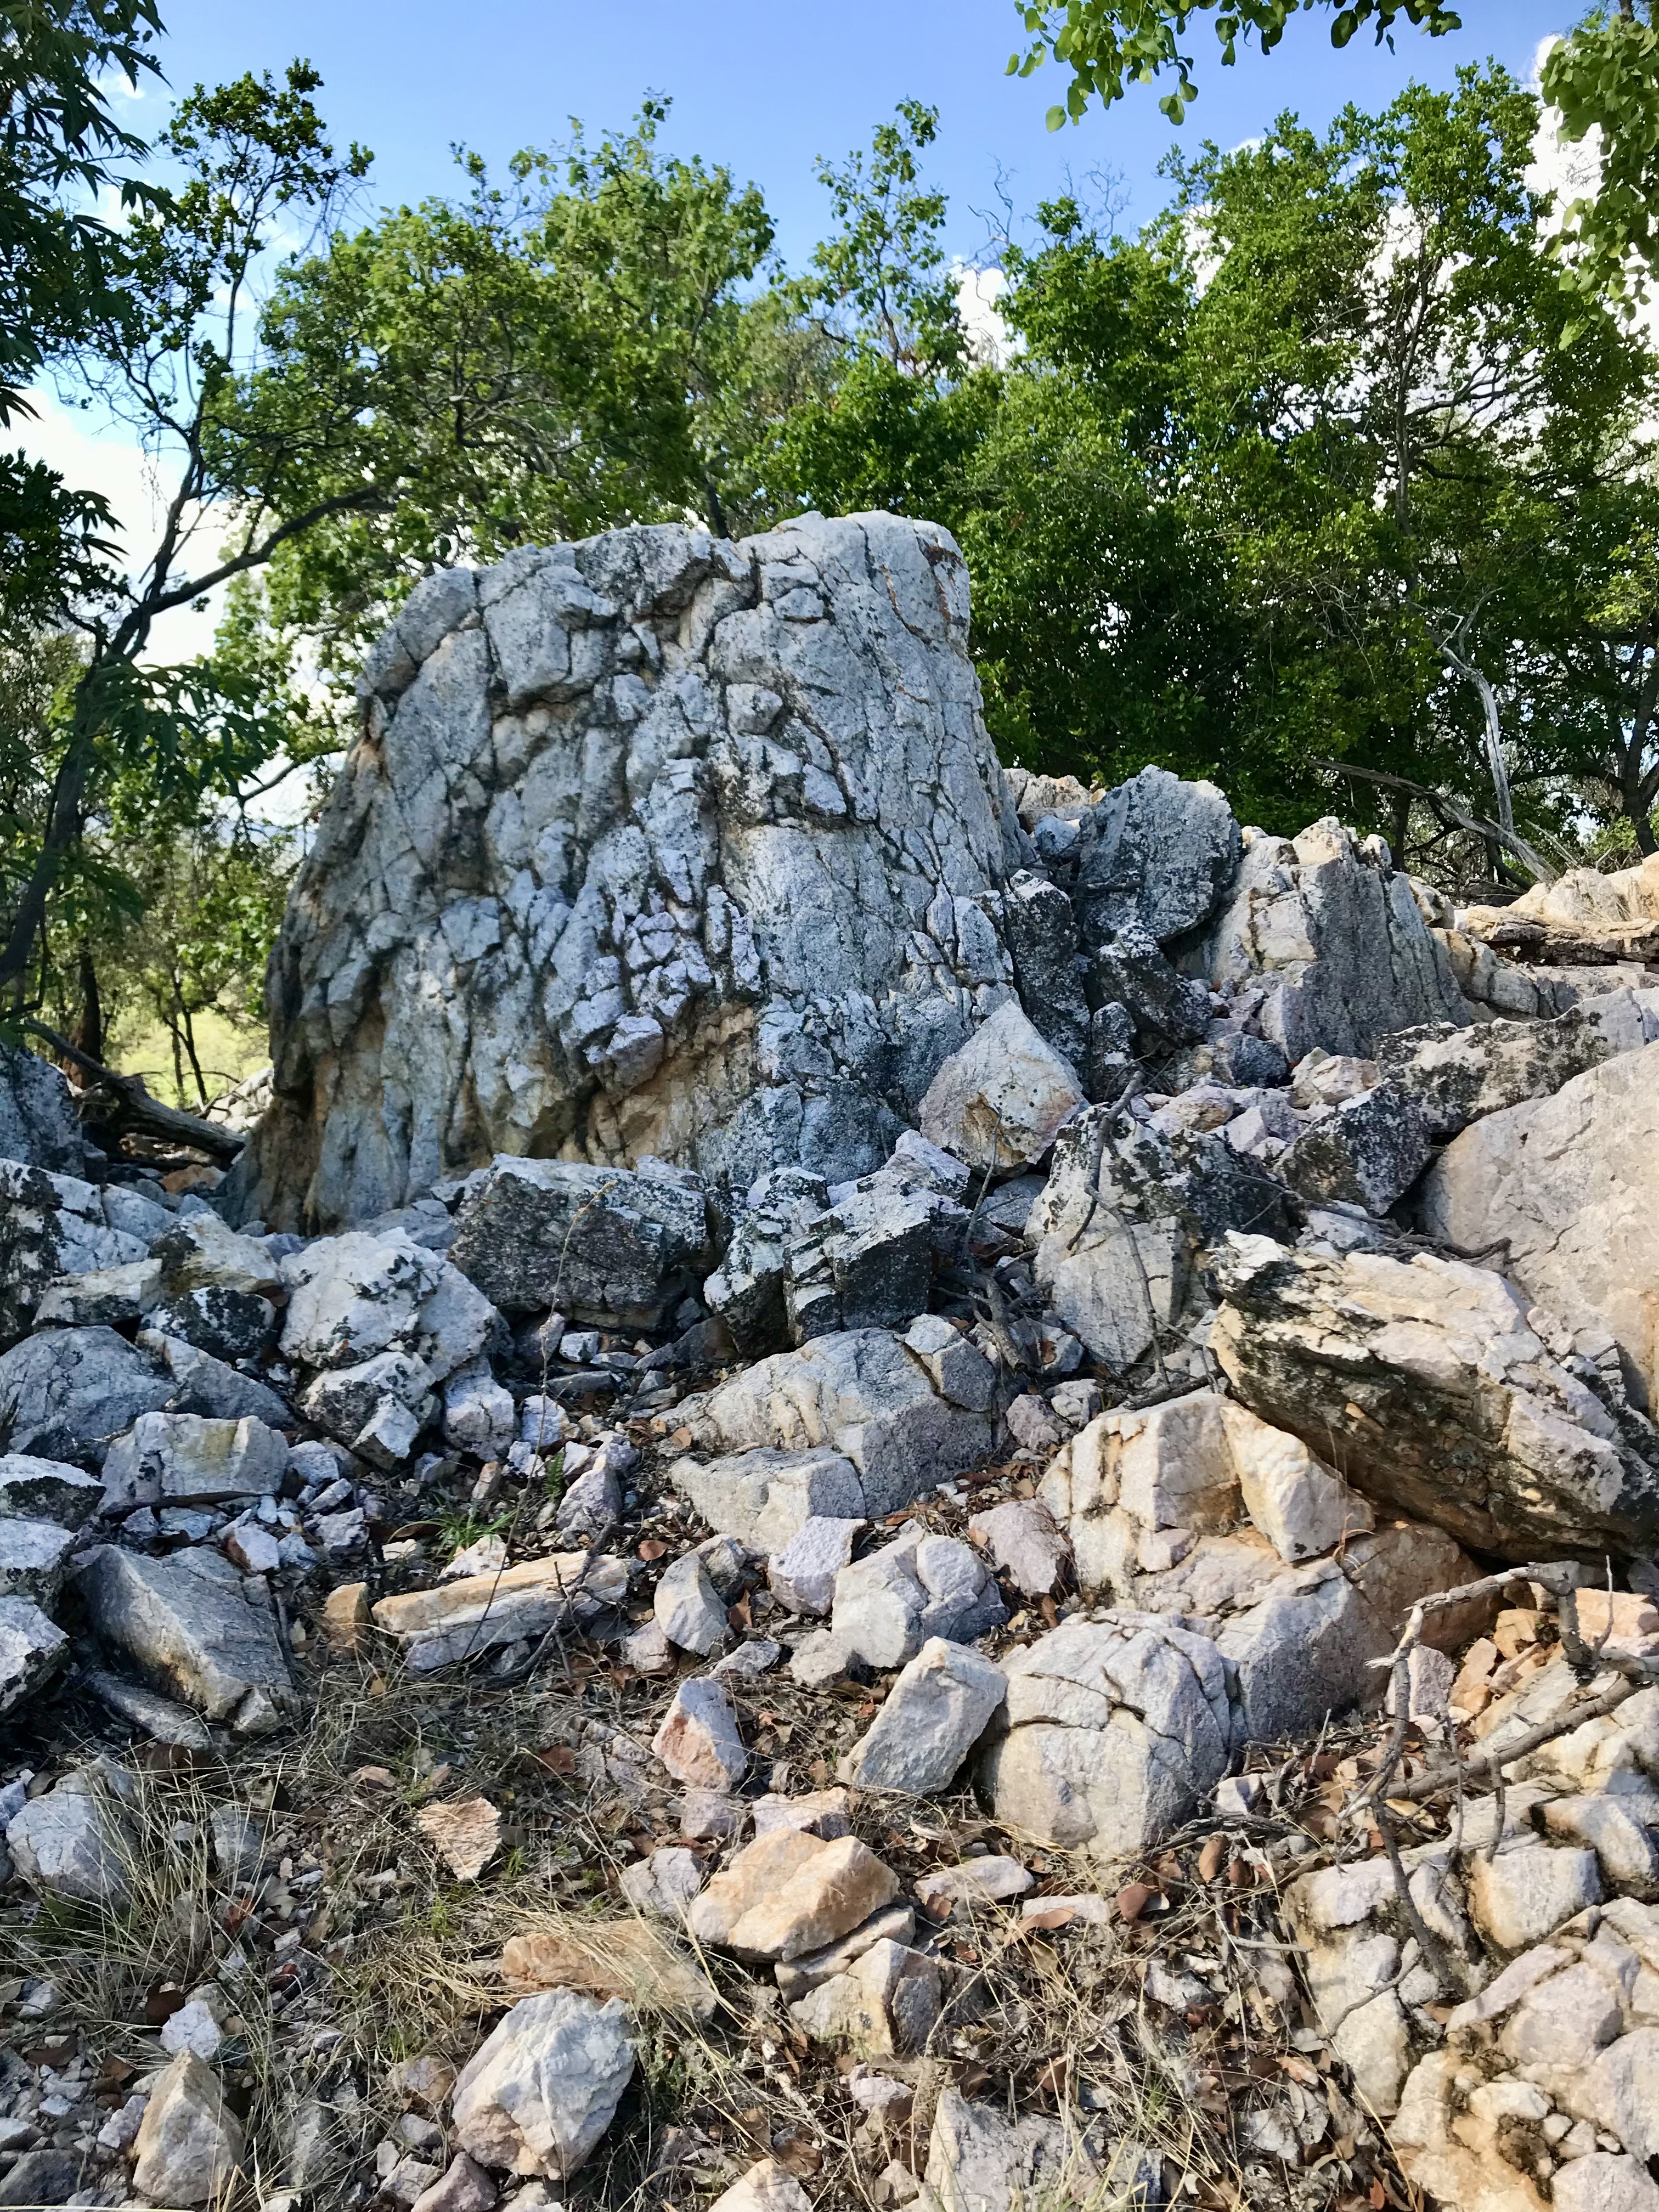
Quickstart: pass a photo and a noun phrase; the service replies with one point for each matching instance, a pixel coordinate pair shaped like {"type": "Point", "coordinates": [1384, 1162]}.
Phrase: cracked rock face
{"type": "Point", "coordinates": [653, 845]}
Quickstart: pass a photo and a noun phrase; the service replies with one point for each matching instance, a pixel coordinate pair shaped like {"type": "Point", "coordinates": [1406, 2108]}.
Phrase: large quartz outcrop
{"type": "Point", "coordinates": [653, 845]}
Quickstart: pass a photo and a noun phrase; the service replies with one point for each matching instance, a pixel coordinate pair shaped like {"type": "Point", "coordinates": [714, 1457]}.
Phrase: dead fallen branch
{"type": "Point", "coordinates": [132, 1108]}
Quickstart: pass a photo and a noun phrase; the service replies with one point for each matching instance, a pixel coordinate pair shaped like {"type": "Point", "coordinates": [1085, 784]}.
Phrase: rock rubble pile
{"type": "Point", "coordinates": [959, 1509]}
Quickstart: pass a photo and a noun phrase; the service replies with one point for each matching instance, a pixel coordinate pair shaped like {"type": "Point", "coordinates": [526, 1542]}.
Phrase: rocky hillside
{"type": "Point", "coordinates": [959, 1511]}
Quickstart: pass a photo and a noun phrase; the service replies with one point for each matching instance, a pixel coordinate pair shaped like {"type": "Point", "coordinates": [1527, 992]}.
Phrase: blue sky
{"type": "Point", "coordinates": [765, 86]}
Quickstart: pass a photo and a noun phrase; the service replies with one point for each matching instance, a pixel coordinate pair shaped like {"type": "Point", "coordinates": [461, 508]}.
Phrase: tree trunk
{"type": "Point", "coordinates": [62, 827]}
{"type": "Point", "coordinates": [195, 1062]}
{"type": "Point", "coordinates": [88, 1035]}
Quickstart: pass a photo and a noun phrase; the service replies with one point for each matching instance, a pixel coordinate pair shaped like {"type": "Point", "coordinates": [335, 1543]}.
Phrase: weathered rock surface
{"type": "Point", "coordinates": [1335, 940]}
{"type": "Point", "coordinates": [355, 1298]}
{"type": "Point", "coordinates": [979, 2161]}
{"type": "Point", "coordinates": [599, 1244]}
{"type": "Point", "coordinates": [1426, 1381]}
{"type": "Point", "coordinates": [179, 1459]}
{"type": "Point", "coordinates": [75, 1391]}
{"type": "Point", "coordinates": [888, 1604]}
{"type": "Point", "coordinates": [1460, 1075]}
{"type": "Point", "coordinates": [1369, 1153]}
{"type": "Point", "coordinates": [1125, 1222]}
{"type": "Point", "coordinates": [458, 1620]}
{"type": "Point", "coordinates": [935, 1713]}
{"type": "Point", "coordinates": [537, 2096]}
{"type": "Point", "coordinates": [861, 1395]}
{"type": "Point", "coordinates": [74, 1841]}
{"type": "Point", "coordinates": [38, 1125]}
{"type": "Point", "coordinates": [1567, 1185]}
{"type": "Point", "coordinates": [32, 1648]}
{"type": "Point", "coordinates": [1110, 1734]}
{"type": "Point", "coordinates": [190, 2145]}
{"type": "Point", "coordinates": [651, 845]}
{"type": "Point", "coordinates": [195, 1629]}
{"type": "Point", "coordinates": [1000, 1100]}
{"type": "Point", "coordinates": [764, 1497]}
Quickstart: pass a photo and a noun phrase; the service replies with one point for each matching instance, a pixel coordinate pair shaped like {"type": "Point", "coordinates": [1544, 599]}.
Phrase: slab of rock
{"type": "Point", "coordinates": [465, 1831]}
{"type": "Point", "coordinates": [1307, 1647]}
{"type": "Point", "coordinates": [1332, 935]}
{"type": "Point", "coordinates": [51, 1225]}
{"type": "Point", "coordinates": [32, 1648]}
{"type": "Point", "coordinates": [371, 1292]}
{"type": "Point", "coordinates": [600, 1244]}
{"type": "Point", "coordinates": [698, 1741]}
{"type": "Point", "coordinates": [893, 1923]}
{"type": "Point", "coordinates": [458, 1621]}
{"type": "Point", "coordinates": [1302, 1506]}
{"type": "Point", "coordinates": [1567, 1184]}
{"type": "Point", "coordinates": [465, 2187]}
{"type": "Point", "coordinates": [1125, 1222]}
{"type": "Point", "coordinates": [865, 1262]}
{"type": "Point", "coordinates": [1025, 1545]}
{"type": "Point", "coordinates": [1112, 1732]}
{"type": "Point", "coordinates": [802, 1576]}
{"type": "Point", "coordinates": [211, 1388]}
{"type": "Point", "coordinates": [1155, 851]}
{"type": "Point", "coordinates": [479, 1414]}
{"type": "Point", "coordinates": [75, 1391]}
{"type": "Point", "coordinates": [889, 1603]}
{"type": "Point", "coordinates": [979, 2161]}
{"type": "Point", "coordinates": [833, 1889]}
{"type": "Point", "coordinates": [180, 1459]}
{"type": "Point", "coordinates": [33, 1558]}
{"type": "Point", "coordinates": [935, 1714]}
{"type": "Point", "coordinates": [195, 1629]}
{"type": "Point", "coordinates": [989, 1880]}
{"type": "Point", "coordinates": [1458, 1076]}
{"type": "Point", "coordinates": [628, 1959]}
{"type": "Point", "coordinates": [1001, 1100]}
{"type": "Point", "coordinates": [38, 1123]}
{"type": "Point", "coordinates": [956, 1366]}
{"type": "Point", "coordinates": [826, 1812]}
{"type": "Point", "coordinates": [664, 1884]}
{"type": "Point", "coordinates": [649, 845]}
{"type": "Point", "coordinates": [538, 2094]}
{"type": "Point", "coordinates": [47, 1488]}
{"type": "Point", "coordinates": [198, 1252]}
{"type": "Point", "coordinates": [689, 1609]}
{"type": "Point", "coordinates": [105, 1297]}
{"type": "Point", "coordinates": [74, 1841]}
{"type": "Point", "coordinates": [746, 1291]}
{"type": "Point", "coordinates": [190, 2144]}
{"type": "Point", "coordinates": [1368, 1153]}
{"type": "Point", "coordinates": [164, 1718]}
{"type": "Point", "coordinates": [754, 1875]}
{"type": "Point", "coordinates": [767, 2187]}
{"type": "Point", "coordinates": [378, 1408]}
{"type": "Point", "coordinates": [766, 1496]}
{"type": "Point", "coordinates": [1426, 1383]}
{"type": "Point", "coordinates": [886, 2006]}
{"type": "Point", "coordinates": [1128, 1479]}
{"type": "Point", "coordinates": [1040, 927]}
{"type": "Point", "coordinates": [860, 1394]}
